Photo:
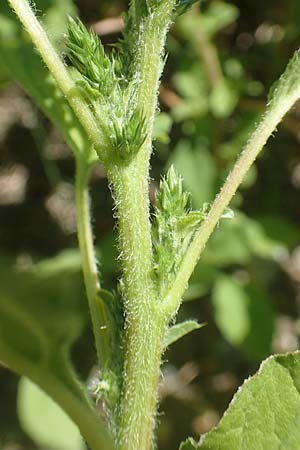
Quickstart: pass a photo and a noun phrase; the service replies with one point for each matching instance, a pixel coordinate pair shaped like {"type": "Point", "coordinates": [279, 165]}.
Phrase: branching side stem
{"type": "Point", "coordinates": [89, 265]}
{"type": "Point", "coordinates": [267, 126]}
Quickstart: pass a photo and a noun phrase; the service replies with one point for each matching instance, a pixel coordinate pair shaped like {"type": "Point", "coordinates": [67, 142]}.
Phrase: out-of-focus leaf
{"type": "Point", "coordinates": [197, 168]}
{"type": "Point", "coordinates": [189, 444]}
{"type": "Point", "coordinates": [66, 262]}
{"type": "Point", "coordinates": [231, 310]}
{"type": "Point", "coordinates": [237, 240]}
{"type": "Point", "coordinates": [44, 421]}
{"type": "Point", "coordinates": [223, 100]}
{"type": "Point", "coordinates": [244, 316]}
{"type": "Point", "coordinates": [41, 314]}
{"type": "Point", "coordinates": [201, 282]}
{"type": "Point", "coordinates": [192, 86]}
{"type": "Point", "coordinates": [179, 330]}
{"type": "Point", "coordinates": [40, 317]}
{"type": "Point", "coordinates": [24, 65]}
{"type": "Point", "coordinates": [258, 342]}
{"type": "Point", "coordinates": [280, 229]}
{"type": "Point", "coordinates": [217, 16]}
{"type": "Point", "coordinates": [162, 128]}
{"type": "Point", "coordinates": [265, 412]}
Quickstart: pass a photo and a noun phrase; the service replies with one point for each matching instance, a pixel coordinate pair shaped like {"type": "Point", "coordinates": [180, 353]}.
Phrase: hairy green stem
{"type": "Point", "coordinates": [268, 124]}
{"type": "Point", "coordinates": [147, 67]}
{"type": "Point", "coordinates": [144, 327]}
{"type": "Point", "coordinates": [89, 265]}
{"type": "Point", "coordinates": [58, 70]}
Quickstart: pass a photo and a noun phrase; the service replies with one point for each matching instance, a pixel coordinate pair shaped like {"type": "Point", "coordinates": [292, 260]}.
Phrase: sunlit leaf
{"type": "Point", "coordinates": [265, 412]}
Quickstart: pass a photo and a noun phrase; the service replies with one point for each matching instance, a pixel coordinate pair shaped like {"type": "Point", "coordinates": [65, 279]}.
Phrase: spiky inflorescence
{"type": "Point", "coordinates": [109, 93]}
{"type": "Point", "coordinates": [173, 227]}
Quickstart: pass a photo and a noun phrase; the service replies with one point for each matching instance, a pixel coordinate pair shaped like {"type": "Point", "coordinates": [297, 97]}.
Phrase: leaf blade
{"type": "Point", "coordinates": [179, 330]}
{"type": "Point", "coordinates": [265, 412]}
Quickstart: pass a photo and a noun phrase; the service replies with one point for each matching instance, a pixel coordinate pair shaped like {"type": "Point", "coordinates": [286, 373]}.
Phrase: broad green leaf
{"type": "Point", "coordinates": [179, 330]}
{"type": "Point", "coordinates": [23, 64]}
{"type": "Point", "coordinates": [265, 412]}
{"type": "Point", "coordinates": [41, 313]}
{"type": "Point", "coordinates": [44, 421]}
{"type": "Point", "coordinates": [189, 444]}
{"type": "Point", "coordinates": [244, 316]}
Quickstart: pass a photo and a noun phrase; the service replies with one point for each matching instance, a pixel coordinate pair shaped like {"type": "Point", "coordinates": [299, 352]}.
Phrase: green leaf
{"type": "Point", "coordinates": [236, 241]}
{"type": "Point", "coordinates": [244, 316]}
{"type": "Point", "coordinates": [44, 421]}
{"type": "Point", "coordinates": [179, 330]}
{"type": "Point", "coordinates": [41, 312]}
{"type": "Point", "coordinates": [217, 16]}
{"type": "Point", "coordinates": [192, 86]}
{"type": "Point", "coordinates": [189, 444]}
{"type": "Point", "coordinates": [231, 310]}
{"type": "Point", "coordinates": [198, 170]}
{"type": "Point", "coordinates": [162, 128]}
{"type": "Point", "coordinates": [184, 5]}
{"type": "Point", "coordinates": [223, 99]}
{"type": "Point", "coordinates": [280, 229]}
{"type": "Point", "coordinates": [265, 412]}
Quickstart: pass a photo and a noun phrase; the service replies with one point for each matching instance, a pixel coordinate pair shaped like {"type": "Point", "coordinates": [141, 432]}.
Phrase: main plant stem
{"type": "Point", "coordinates": [144, 327]}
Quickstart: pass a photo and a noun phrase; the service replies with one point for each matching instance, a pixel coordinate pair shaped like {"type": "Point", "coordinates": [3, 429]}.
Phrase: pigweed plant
{"type": "Point", "coordinates": [105, 105]}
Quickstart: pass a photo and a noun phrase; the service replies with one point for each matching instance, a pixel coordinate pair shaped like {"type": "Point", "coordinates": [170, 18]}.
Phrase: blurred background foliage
{"type": "Point", "coordinates": [222, 59]}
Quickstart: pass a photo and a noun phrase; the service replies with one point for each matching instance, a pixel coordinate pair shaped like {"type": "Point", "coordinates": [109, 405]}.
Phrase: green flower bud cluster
{"type": "Point", "coordinates": [173, 228]}
{"type": "Point", "coordinates": [110, 95]}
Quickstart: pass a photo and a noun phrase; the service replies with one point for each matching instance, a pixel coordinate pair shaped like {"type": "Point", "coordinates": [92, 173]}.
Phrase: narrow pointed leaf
{"type": "Point", "coordinates": [189, 444]}
{"type": "Point", "coordinates": [181, 329]}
